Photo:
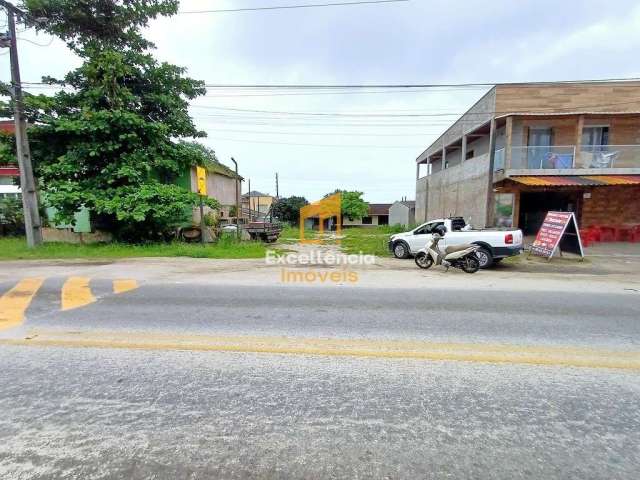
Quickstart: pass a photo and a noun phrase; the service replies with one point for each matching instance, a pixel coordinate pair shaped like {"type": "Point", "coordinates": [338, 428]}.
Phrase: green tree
{"type": "Point", "coordinates": [352, 204]}
{"type": "Point", "coordinates": [110, 140]}
{"type": "Point", "coordinates": [288, 209]}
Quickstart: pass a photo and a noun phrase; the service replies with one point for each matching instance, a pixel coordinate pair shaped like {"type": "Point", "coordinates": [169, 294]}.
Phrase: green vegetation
{"type": "Point", "coordinates": [15, 248]}
{"type": "Point", "coordinates": [288, 209]}
{"type": "Point", "coordinates": [11, 216]}
{"type": "Point", "coordinates": [353, 205]}
{"type": "Point", "coordinates": [117, 135]}
{"type": "Point", "coordinates": [369, 241]}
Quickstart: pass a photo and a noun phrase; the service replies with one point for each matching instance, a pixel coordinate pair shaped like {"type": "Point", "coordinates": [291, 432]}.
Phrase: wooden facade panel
{"type": "Point", "coordinates": [569, 98]}
{"type": "Point", "coordinates": [624, 131]}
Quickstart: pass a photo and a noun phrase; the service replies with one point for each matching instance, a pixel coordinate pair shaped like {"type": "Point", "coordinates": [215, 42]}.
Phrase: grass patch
{"type": "Point", "coordinates": [369, 241]}
{"type": "Point", "coordinates": [15, 248]}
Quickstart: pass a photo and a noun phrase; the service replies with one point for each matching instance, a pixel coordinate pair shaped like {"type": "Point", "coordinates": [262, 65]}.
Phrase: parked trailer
{"type": "Point", "coordinates": [265, 231]}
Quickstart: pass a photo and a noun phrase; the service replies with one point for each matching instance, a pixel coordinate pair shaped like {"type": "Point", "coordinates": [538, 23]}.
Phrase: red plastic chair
{"type": "Point", "coordinates": [595, 233]}
{"type": "Point", "coordinates": [624, 233]}
{"type": "Point", "coordinates": [585, 238]}
{"type": "Point", "coordinates": [607, 233]}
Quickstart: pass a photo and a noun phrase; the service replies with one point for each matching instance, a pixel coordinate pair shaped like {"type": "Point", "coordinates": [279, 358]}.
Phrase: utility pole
{"type": "Point", "coordinates": [237, 200]}
{"type": "Point", "coordinates": [277, 191]}
{"type": "Point", "coordinates": [27, 181]}
{"type": "Point", "coordinates": [250, 207]}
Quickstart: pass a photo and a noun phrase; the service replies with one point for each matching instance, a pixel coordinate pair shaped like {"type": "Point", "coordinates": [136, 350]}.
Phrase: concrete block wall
{"type": "Point", "coordinates": [422, 197]}
{"type": "Point", "coordinates": [460, 190]}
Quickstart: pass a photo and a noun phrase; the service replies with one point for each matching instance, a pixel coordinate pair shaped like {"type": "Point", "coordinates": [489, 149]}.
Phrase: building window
{"type": "Point", "coordinates": [595, 136]}
{"type": "Point", "coordinates": [367, 220]}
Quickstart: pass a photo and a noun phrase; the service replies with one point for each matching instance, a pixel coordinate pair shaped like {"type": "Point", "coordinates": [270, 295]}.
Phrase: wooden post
{"type": "Point", "coordinates": [579, 127]}
{"type": "Point", "coordinates": [507, 143]}
{"type": "Point", "coordinates": [516, 209]}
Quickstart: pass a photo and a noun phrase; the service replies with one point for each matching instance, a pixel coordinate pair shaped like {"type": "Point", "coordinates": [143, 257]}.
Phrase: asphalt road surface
{"type": "Point", "coordinates": [195, 381]}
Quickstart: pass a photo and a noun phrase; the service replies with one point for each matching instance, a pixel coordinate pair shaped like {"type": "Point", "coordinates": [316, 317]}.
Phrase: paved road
{"type": "Point", "coordinates": [197, 381]}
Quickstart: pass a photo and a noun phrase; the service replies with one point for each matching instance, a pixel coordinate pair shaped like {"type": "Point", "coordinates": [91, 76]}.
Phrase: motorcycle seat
{"type": "Point", "coordinates": [457, 248]}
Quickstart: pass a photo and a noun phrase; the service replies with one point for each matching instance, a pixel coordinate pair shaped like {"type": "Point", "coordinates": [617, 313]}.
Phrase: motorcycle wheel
{"type": "Point", "coordinates": [471, 264]}
{"type": "Point", "coordinates": [423, 260]}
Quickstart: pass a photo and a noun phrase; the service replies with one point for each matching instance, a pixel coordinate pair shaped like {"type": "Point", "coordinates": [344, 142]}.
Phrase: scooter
{"type": "Point", "coordinates": [458, 256]}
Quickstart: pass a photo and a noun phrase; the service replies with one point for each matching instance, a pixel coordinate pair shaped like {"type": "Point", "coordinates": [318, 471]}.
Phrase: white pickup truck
{"type": "Point", "coordinates": [495, 244]}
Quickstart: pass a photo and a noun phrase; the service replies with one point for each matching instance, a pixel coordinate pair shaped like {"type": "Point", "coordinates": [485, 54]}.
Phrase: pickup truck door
{"type": "Point", "coordinates": [421, 236]}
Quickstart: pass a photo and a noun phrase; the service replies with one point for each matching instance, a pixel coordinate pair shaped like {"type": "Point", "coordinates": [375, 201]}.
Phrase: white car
{"type": "Point", "coordinates": [494, 244]}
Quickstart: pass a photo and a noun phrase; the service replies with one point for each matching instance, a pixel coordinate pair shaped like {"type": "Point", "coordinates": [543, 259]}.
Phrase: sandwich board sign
{"type": "Point", "coordinates": [559, 231]}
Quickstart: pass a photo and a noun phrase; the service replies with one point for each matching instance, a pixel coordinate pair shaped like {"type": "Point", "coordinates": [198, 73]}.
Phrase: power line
{"type": "Point", "coordinates": [404, 115]}
{"type": "Point", "coordinates": [329, 134]}
{"type": "Point", "coordinates": [36, 43]}
{"type": "Point", "coordinates": [290, 7]}
{"type": "Point", "coordinates": [315, 145]}
{"type": "Point", "coordinates": [425, 85]}
{"type": "Point", "coordinates": [601, 82]}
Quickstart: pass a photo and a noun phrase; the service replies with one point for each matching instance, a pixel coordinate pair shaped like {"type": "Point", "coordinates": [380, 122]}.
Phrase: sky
{"type": "Point", "coordinates": [371, 138]}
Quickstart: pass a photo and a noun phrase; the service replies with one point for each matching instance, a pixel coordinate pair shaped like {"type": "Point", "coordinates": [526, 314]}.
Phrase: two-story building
{"type": "Point", "coordinates": [525, 149]}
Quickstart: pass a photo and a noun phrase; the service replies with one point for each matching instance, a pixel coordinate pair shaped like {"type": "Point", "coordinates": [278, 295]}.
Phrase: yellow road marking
{"type": "Point", "coordinates": [124, 285]}
{"type": "Point", "coordinates": [390, 349]}
{"type": "Point", "coordinates": [15, 302]}
{"type": "Point", "coordinates": [76, 293]}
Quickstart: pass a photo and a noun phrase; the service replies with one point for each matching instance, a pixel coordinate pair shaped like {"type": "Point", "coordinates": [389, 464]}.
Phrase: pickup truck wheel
{"type": "Point", "coordinates": [485, 257]}
{"type": "Point", "coordinates": [423, 260]}
{"type": "Point", "coordinates": [401, 250]}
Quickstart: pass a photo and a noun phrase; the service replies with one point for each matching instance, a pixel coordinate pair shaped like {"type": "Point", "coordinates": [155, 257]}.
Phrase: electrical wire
{"type": "Point", "coordinates": [290, 7]}
{"type": "Point", "coordinates": [315, 145]}
{"type": "Point", "coordinates": [36, 43]}
{"type": "Point", "coordinates": [602, 81]}
{"type": "Point", "coordinates": [405, 115]}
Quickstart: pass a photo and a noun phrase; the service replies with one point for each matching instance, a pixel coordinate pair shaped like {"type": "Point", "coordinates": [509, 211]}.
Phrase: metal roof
{"type": "Point", "coordinates": [576, 180]}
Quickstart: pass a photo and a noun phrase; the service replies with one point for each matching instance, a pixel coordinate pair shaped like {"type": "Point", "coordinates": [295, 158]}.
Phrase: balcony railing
{"type": "Point", "coordinates": [565, 157]}
{"type": "Point", "coordinates": [545, 157]}
{"type": "Point", "coordinates": [609, 156]}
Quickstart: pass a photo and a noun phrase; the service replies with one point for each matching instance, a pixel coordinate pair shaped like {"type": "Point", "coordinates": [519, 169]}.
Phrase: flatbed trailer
{"type": "Point", "coordinates": [266, 231]}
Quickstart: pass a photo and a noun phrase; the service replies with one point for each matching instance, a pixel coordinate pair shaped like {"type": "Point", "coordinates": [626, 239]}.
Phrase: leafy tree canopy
{"type": "Point", "coordinates": [112, 138]}
{"type": "Point", "coordinates": [288, 209]}
{"type": "Point", "coordinates": [352, 204]}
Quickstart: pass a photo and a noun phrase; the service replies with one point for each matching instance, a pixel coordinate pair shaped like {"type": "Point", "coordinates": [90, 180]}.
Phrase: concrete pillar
{"type": "Point", "coordinates": [417, 171]}
{"type": "Point", "coordinates": [492, 159]}
{"type": "Point", "coordinates": [579, 127]}
{"type": "Point", "coordinates": [444, 156]}
{"type": "Point", "coordinates": [507, 143]}
{"type": "Point", "coordinates": [463, 153]}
